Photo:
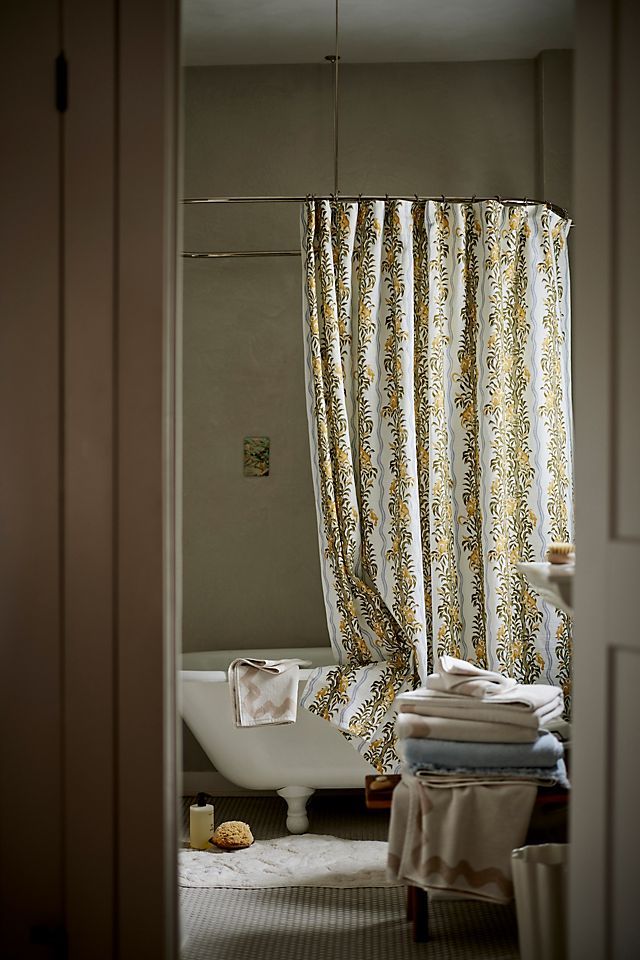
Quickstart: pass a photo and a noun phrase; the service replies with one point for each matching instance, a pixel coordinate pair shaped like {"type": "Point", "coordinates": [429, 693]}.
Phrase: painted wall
{"type": "Point", "coordinates": [555, 127]}
{"type": "Point", "coordinates": [251, 569]}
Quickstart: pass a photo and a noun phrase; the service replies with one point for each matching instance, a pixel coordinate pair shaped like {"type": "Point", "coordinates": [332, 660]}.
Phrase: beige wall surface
{"type": "Point", "coordinates": [251, 569]}
{"type": "Point", "coordinates": [555, 127]}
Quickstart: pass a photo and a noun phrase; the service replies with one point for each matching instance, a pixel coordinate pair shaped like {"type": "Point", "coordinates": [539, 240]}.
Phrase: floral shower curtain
{"type": "Point", "coordinates": [438, 384]}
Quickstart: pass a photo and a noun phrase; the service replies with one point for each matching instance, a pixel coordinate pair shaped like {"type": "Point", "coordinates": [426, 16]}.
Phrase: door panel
{"type": "Point", "coordinates": [625, 796]}
{"type": "Point", "coordinates": [87, 548]}
{"type": "Point", "coordinates": [626, 87]}
{"type": "Point", "coordinates": [605, 832]}
{"type": "Point", "coordinates": [89, 237]}
{"type": "Point", "coordinates": [31, 609]}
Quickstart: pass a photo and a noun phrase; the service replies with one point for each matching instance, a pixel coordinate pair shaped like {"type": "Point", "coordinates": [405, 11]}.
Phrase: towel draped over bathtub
{"type": "Point", "coordinates": [264, 691]}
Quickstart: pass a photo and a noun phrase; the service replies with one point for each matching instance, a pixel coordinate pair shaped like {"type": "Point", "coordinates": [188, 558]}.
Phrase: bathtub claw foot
{"type": "Point", "coordinates": [296, 797]}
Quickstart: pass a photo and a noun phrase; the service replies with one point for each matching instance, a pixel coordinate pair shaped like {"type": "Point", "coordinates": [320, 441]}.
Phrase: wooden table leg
{"type": "Point", "coordinates": [411, 902]}
{"type": "Point", "coordinates": [420, 915]}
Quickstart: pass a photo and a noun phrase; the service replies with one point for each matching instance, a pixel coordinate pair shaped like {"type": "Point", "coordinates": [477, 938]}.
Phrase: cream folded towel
{"type": "Point", "coordinates": [472, 709]}
{"type": "Point", "coordinates": [470, 731]}
{"type": "Point", "coordinates": [464, 678]}
{"type": "Point", "coordinates": [264, 691]}
{"type": "Point", "coordinates": [529, 705]}
{"type": "Point", "coordinates": [523, 696]}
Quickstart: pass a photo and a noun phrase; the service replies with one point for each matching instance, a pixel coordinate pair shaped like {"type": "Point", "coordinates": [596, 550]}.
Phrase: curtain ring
{"type": "Point", "coordinates": [473, 198]}
{"type": "Point", "coordinates": [442, 200]}
{"type": "Point", "coordinates": [498, 198]}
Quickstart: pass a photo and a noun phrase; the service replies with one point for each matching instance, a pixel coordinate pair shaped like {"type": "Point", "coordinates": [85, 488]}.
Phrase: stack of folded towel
{"type": "Point", "coordinates": [474, 752]}
{"type": "Point", "coordinates": [477, 722]}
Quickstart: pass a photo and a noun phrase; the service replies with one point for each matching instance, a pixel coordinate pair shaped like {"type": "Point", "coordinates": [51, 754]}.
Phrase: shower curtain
{"type": "Point", "coordinates": [438, 384]}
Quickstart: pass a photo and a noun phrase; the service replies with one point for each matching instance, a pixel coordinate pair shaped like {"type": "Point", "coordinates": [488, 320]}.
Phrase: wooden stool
{"type": "Point", "coordinates": [548, 823]}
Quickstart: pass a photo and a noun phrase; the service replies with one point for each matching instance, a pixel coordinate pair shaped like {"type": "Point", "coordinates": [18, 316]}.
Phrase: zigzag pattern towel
{"type": "Point", "coordinates": [458, 835]}
{"type": "Point", "coordinates": [264, 691]}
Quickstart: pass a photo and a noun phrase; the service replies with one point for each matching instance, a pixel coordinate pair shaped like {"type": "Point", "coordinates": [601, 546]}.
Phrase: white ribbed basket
{"type": "Point", "coordinates": [540, 885]}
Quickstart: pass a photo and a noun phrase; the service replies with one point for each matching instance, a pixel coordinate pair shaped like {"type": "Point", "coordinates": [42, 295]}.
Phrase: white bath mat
{"type": "Point", "coordinates": [308, 860]}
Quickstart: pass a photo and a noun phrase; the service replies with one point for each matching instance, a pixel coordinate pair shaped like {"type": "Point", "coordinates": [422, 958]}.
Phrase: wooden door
{"type": "Point", "coordinates": [31, 581]}
{"type": "Point", "coordinates": [87, 528]}
{"type": "Point", "coordinates": [605, 827]}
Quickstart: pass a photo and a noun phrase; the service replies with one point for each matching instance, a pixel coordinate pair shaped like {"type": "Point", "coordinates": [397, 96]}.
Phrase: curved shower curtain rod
{"type": "Point", "coordinates": [221, 255]}
{"type": "Point", "coordinates": [522, 201]}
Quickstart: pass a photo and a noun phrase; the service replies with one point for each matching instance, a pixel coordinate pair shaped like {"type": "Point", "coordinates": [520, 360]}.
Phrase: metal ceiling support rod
{"type": "Point", "coordinates": [335, 108]}
{"type": "Point", "coordinates": [334, 58]}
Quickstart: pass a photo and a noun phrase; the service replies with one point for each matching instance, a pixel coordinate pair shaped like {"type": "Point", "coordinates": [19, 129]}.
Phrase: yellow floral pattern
{"type": "Point", "coordinates": [437, 367]}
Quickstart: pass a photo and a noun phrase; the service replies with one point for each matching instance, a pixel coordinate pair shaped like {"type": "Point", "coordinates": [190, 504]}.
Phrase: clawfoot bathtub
{"type": "Point", "coordinates": [293, 759]}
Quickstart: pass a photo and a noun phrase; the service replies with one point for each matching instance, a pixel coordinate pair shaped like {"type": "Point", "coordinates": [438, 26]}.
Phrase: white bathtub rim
{"type": "Point", "coordinates": [219, 676]}
{"type": "Point", "coordinates": [196, 660]}
{"type": "Point", "coordinates": [203, 676]}
{"type": "Point", "coordinates": [190, 672]}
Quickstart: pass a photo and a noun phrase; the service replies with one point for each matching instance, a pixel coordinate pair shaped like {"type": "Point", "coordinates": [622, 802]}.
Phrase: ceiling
{"type": "Point", "coordinates": [372, 31]}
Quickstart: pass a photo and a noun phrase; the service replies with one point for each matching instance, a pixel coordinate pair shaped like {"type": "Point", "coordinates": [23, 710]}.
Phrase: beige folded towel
{"type": "Point", "coordinates": [470, 731]}
{"type": "Point", "coordinates": [481, 710]}
{"type": "Point", "coordinates": [264, 691]}
{"type": "Point", "coordinates": [465, 679]}
{"type": "Point", "coordinates": [529, 705]}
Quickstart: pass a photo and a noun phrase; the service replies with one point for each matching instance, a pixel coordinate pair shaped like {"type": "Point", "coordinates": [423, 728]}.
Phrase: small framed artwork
{"type": "Point", "coordinates": [256, 456]}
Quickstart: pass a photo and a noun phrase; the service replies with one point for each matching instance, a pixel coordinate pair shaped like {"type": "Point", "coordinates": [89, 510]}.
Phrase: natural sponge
{"type": "Point", "coordinates": [233, 835]}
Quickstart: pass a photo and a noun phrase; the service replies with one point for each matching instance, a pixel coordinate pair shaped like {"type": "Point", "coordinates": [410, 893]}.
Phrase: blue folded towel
{"type": "Point", "coordinates": [550, 776]}
{"type": "Point", "coordinates": [543, 752]}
